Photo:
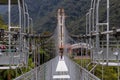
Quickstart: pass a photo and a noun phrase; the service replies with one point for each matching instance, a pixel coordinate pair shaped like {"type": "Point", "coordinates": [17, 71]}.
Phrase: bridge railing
{"type": "Point", "coordinates": [43, 72]}
{"type": "Point", "coordinates": [80, 72]}
{"type": "Point", "coordinates": [46, 71]}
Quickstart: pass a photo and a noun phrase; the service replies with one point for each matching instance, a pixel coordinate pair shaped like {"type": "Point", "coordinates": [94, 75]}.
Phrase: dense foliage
{"type": "Point", "coordinates": [44, 13]}
{"type": "Point", "coordinates": [109, 72]}
{"type": "Point", "coordinates": [2, 24]}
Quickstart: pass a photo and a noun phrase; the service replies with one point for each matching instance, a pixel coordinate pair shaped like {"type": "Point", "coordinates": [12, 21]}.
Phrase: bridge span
{"type": "Point", "coordinates": [49, 55]}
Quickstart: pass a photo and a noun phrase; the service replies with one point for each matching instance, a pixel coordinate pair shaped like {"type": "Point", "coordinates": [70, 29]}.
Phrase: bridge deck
{"type": "Point", "coordinates": [58, 69]}
{"type": "Point", "coordinates": [61, 70]}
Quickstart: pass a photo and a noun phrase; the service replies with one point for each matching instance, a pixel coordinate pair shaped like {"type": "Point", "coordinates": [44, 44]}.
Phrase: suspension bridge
{"type": "Point", "coordinates": [101, 44]}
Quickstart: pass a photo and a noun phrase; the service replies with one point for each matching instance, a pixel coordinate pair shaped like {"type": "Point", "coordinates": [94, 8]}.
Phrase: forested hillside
{"type": "Point", "coordinates": [114, 13]}
{"type": "Point", "coordinates": [44, 14]}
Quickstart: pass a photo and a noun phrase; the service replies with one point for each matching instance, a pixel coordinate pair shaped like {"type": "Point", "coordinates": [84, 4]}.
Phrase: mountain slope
{"type": "Point", "coordinates": [44, 14]}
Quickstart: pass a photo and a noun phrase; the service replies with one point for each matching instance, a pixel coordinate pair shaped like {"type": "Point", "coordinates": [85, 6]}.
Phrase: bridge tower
{"type": "Point", "coordinates": [61, 30]}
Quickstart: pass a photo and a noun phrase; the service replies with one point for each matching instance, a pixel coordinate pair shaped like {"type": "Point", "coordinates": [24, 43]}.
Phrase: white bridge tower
{"type": "Point", "coordinates": [61, 30]}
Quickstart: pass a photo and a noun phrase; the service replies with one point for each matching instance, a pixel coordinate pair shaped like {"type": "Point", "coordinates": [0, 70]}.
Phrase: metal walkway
{"type": "Point", "coordinates": [58, 69]}
{"type": "Point", "coordinates": [61, 70]}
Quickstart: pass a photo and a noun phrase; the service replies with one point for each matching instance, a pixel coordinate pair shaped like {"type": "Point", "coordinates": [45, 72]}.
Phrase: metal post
{"type": "Point", "coordinates": [27, 16]}
{"type": "Point", "coordinates": [118, 66]}
{"type": "Point", "coordinates": [90, 18]}
{"type": "Point", "coordinates": [19, 7]}
{"type": "Point", "coordinates": [93, 25]}
{"type": "Point", "coordinates": [24, 16]}
{"type": "Point", "coordinates": [102, 60]}
{"type": "Point", "coordinates": [97, 27]}
{"type": "Point", "coordinates": [117, 56]}
{"type": "Point", "coordinates": [34, 51]}
{"type": "Point", "coordinates": [9, 28]}
{"type": "Point", "coordinates": [87, 25]}
{"type": "Point", "coordinates": [87, 19]}
{"type": "Point", "coordinates": [107, 30]}
{"type": "Point", "coordinates": [82, 61]}
{"type": "Point", "coordinates": [31, 20]}
{"type": "Point", "coordinates": [93, 22]}
{"type": "Point", "coordinates": [93, 15]}
{"type": "Point", "coordinates": [27, 21]}
{"type": "Point", "coordinates": [26, 13]}
{"type": "Point", "coordinates": [24, 29]}
{"type": "Point", "coordinates": [20, 46]}
{"type": "Point", "coordinates": [28, 27]}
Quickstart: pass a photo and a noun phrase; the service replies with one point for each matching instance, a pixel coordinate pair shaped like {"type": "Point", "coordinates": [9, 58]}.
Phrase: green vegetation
{"type": "Point", "coordinates": [82, 62]}
{"type": "Point", "coordinates": [7, 74]}
{"type": "Point", "coordinates": [47, 50]}
{"type": "Point", "coordinates": [6, 1]}
{"type": "Point", "coordinates": [44, 13]}
{"type": "Point", "coordinates": [109, 72]}
{"type": "Point", "coordinates": [114, 13]}
{"type": "Point", "coordinates": [12, 73]}
{"type": "Point", "coordinates": [2, 24]}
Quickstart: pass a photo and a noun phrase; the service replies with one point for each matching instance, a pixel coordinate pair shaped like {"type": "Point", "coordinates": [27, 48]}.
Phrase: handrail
{"type": "Point", "coordinates": [84, 70]}
{"type": "Point", "coordinates": [33, 72]}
